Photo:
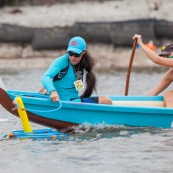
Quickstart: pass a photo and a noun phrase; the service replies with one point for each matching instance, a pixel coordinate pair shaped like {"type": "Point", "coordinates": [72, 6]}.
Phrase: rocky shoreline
{"type": "Point", "coordinates": [108, 58]}
{"type": "Point", "coordinates": [116, 33]}
{"type": "Point", "coordinates": [42, 33]}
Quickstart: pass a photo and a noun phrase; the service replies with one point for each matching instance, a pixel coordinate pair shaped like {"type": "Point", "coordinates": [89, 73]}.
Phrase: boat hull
{"type": "Point", "coordinates": [8, 104]}
{"type": "Point", "coordinates": [65, 114]}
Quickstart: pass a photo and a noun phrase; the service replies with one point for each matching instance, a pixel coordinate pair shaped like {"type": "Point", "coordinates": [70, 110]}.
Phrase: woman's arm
{"type": "Point", "coordinates": [163, 84]}
{"type": "Point", "coordinates": [168, 62]}
{"type": "Point", "coordinates": [47, 82]}
{"type": "Point", "coordinates": [57, 65]}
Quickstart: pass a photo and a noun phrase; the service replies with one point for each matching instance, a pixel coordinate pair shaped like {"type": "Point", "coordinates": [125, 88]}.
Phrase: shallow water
{"type": "Point", "coordinates": [101, 148]}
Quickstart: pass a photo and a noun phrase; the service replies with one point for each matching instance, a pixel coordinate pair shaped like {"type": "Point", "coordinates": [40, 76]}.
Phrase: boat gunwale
{"type": "Point", "coordinates": [94, 107]}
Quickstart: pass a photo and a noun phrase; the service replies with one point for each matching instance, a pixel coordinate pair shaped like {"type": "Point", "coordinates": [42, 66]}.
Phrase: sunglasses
{"type": "Point", "coordinates": [74, 54]}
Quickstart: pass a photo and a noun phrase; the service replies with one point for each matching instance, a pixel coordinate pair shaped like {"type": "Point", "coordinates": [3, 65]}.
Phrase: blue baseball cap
{"type": "Point", "coordinates": [77, 45]}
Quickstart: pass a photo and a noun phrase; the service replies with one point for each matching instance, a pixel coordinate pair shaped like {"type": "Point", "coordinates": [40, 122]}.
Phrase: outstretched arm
{"type": "Point", "coordinates": [152, 55]}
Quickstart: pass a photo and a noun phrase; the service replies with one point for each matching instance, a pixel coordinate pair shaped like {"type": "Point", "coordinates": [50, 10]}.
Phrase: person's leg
{"type": "Point", "coordinates": [100, 100]}
{"type": "Point", "coordinates": [104, 100]}
{"type": "Point", "coordinates": [168, 99]}
{"type": "Point", "coordinates": [90, 100]}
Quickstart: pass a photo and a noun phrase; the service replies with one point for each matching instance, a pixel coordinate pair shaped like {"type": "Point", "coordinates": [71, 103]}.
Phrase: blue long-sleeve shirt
{"type": "Point", "coordinates": [65, 86]}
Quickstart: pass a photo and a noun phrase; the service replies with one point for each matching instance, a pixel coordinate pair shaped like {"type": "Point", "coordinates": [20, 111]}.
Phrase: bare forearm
{"type": "Point", "coordinates": [150, 54]}
{"type": "Point", "coordinates": [162, 85]}
{"type": "Point", "coordinates": [158, 89]}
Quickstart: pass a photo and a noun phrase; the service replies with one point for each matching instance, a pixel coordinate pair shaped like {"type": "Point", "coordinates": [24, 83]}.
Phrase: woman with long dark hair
{"type": "Point", "coordinates": [64, 78]}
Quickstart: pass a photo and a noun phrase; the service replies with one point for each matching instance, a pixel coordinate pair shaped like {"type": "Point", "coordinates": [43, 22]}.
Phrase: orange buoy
{"type": "Point", "coordinates": [151, 45]}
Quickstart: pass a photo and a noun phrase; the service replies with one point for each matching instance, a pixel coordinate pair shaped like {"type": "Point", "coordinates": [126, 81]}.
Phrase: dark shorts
{"type": "Point", "coordinates": [90, 100]}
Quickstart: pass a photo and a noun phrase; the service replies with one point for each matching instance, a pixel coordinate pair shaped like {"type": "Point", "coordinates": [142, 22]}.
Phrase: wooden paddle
{"type": "Point", "coordinates": [130, 67]}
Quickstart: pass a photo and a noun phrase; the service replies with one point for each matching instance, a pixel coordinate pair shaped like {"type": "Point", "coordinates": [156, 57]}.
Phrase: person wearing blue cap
{"type": "Point", "coordinates": [165, 58]}
{"type": "Point", "coordinates": [64, 78]}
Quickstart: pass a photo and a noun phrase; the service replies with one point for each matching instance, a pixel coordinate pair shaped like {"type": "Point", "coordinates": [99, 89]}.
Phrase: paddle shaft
{"type": "Point", "coordinates": [130, 67]}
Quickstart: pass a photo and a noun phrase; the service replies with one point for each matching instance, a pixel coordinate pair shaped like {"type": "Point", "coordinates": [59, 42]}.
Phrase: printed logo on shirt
{"type": "Point", "coordinates": [79, 75]}
{"type": "Point", "coordinates": [61, 74]}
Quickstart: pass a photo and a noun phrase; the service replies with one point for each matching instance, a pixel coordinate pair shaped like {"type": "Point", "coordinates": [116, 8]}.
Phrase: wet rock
{"type": "Point", "coordinates": [163, 29]}
{"type": "Point", "coordinates": [50, 38]}
{"type": "Point", "coordinates": [118, 34]}
{"type": "Point", "coordinates": [16, 34]}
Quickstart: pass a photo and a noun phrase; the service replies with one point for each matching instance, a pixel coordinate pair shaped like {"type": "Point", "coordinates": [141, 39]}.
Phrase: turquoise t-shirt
{"type": "Point", "coordinates": [65, 86]}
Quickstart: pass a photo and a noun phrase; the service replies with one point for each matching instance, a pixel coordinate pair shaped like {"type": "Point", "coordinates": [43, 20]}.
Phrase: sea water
{"type": "Point", "coordinates": [91, 149]}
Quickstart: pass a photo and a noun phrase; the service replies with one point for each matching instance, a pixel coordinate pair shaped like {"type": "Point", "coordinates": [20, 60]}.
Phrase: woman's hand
{"type": "Point", "coordinates": [54, 96]}
{"type": "Point", "coordinates": [43, 90]}
{"type": "Point", "coordinates": [138, 37]}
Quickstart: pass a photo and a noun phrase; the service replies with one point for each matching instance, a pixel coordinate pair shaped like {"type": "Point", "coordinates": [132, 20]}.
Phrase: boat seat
{"type": "Point", "coordinates": [139, 103]}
